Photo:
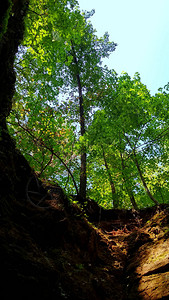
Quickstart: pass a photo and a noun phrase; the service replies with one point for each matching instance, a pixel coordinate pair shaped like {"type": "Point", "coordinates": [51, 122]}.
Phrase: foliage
{"type": "Point", "coordinates": [131, 129]}
{"type": "Point", "coordinates": [125, 130]}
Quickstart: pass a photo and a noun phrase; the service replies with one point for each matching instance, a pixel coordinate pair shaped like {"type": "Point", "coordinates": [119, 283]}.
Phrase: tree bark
{"type": "Point", "coordinates": [115, 202]}
{"type": "Point", "coordinates": [129, 191]}
{"type": "Point", "coordinates": [83, 177]}
{"type": "Point", "coordinates": [140, 172]}
{"type": "Point", "coordinates": [14, 169]}
{"type": "Point", "coordinates": [143, 180]}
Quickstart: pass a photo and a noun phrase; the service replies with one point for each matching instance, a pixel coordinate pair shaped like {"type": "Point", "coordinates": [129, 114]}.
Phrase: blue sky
{"type": "Point", "coordinates": [141, 30]}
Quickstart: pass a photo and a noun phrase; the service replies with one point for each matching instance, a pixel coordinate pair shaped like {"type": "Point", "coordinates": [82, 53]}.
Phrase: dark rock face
{"type": "Point", "coordinates": [12, 18]}
{"type": "Point", "coordinates": [56, 254]}
{"type": "Point", "coordinates": [14, 170]}
{"type": "Point", "coordinates": [148, 267]}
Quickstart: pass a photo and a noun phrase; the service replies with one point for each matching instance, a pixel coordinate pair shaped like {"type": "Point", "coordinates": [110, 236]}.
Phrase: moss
{"type": "Point", "coordinates": [158, 257]}
{"type": "Point", "coordinates": [5, 18]}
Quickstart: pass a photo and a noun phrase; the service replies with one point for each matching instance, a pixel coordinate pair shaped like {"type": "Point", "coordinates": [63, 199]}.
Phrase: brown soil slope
{"type": "Point", "coordinates": [55, 253]}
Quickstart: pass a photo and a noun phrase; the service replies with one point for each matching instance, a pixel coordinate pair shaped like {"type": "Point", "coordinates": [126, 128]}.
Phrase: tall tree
{"type": "Point", "coordinates": [63, 56]}
{"type": "Point", "coordinates": [87, 53]}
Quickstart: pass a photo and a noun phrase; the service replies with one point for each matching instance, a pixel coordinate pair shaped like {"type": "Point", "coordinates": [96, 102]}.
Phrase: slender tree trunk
{"type": "Point", "coordinates": [129, 191]}
{"type": "Point", "coordinates": [115, 202]}
{"type": "Point", "coordinates": [140, 173]}
{"type": "Point", "coordinates": [83, 177]}
{"type": "Point", "coordinates": [143, 180]}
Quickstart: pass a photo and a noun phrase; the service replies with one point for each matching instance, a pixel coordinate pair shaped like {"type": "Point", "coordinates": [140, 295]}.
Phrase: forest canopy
{"type": "Point", "coordinates": [97, 134]}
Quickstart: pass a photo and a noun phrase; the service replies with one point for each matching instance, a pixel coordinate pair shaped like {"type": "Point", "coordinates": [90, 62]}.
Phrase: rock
{"type": "Point", "coordinates": [148, 269]}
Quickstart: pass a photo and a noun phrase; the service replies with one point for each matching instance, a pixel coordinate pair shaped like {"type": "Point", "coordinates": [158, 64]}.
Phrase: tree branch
{"type": "Point", "coordinates": [42, 143]}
